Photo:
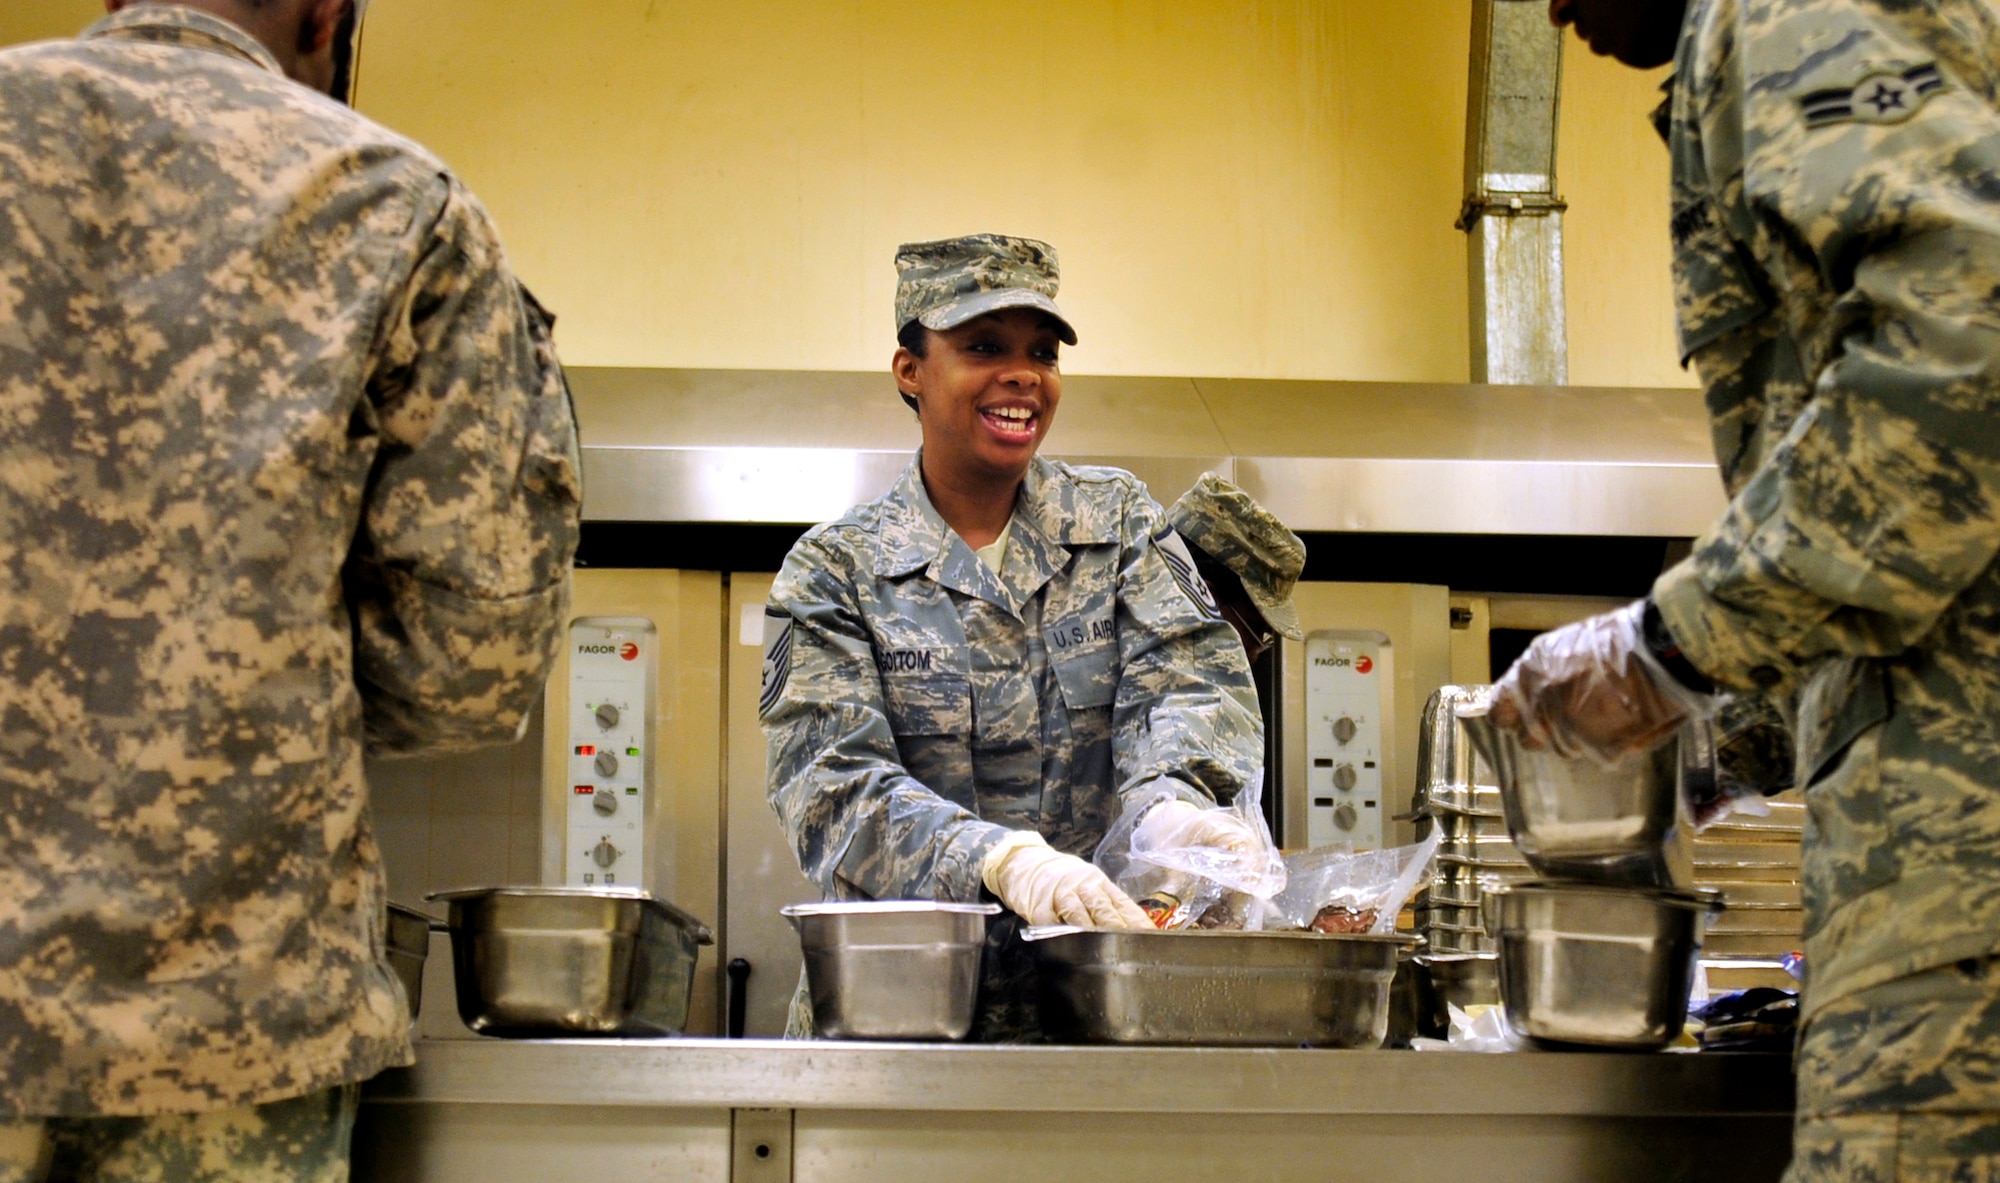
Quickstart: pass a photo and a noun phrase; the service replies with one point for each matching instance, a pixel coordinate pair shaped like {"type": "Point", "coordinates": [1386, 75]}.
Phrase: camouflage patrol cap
{"type": "Point", "coordinates": [945, 283]}
{"type": "Point", "coordinates": [1243, 536]}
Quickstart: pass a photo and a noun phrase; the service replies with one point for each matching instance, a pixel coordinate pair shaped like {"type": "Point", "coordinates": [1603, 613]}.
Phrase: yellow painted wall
{"type": "Point", "coordinates": [1612, 168]}
{"type": "Point", "coordinates": [1239, 188]}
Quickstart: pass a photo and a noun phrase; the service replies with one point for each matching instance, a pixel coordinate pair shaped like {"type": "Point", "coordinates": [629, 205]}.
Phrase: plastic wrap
{"type": "Point", "coordinates": [1333, 889]}
{"type": "Point", "coordinates": [1182, 882]}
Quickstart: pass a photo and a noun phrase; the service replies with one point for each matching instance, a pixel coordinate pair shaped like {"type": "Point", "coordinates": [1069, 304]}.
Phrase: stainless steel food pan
{"type": "Point", "coordinates": [1239, 989]}
{"type": "Point", "coordinates": [409, 945]}
{"type": "Point", "coordinates": [1785, 922]}
{"type": "Point", "coordinates": [1745, 973]}
{"type": "Point", "coordinates": [1580, 819]}
{"type": "Point", "coordinates": [1448, 895]}
{"type": "Point", "coordinates": [1444, 759]}
{"type": "Point", "coordinates": [556, 961]}
{"type": "Point", "coordinates": [892, 969]}
{"type": "Point", "coordinates": [1787, 818]}
{"type": "Point", "coordinates": [1481, 801]}
{"type": "Point", "coordinates": [1462, 827]}
{"type": "Point", "coordinates": [1464, 980]}
{"type": "Point", "coordinates": [1597, 965]}
{"type": "Point", "coordinates": [1491, 849]}
{"type": "Point", "coordinates": [1744, 893]}
{"type": "Point", "coordinates": [1764, 856]}
{"type": "Point", "coordinates": [1436, 930]}
{"type": "Point", "coordinates": [1456, 943]}
{"type": "Point", "coordinates": [1463, 870]}
{"type": "Point", "coordinates": [1457, 916]}
{"type": "Point", "coordinates": [1744, 944]}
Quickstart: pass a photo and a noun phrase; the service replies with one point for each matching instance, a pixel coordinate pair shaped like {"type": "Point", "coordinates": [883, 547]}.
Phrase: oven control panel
{"type": "Point", "coordinates": [1349, 681]}
{"type": "Point", "coordinates": [609, 789]}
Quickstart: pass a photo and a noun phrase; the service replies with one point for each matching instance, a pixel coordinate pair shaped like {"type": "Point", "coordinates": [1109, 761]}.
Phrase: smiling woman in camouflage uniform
{"type": "Point", "coordinates": [967, 679]}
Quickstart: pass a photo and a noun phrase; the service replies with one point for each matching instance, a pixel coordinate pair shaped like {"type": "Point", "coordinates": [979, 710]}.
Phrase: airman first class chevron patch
{"type": "Point", "coordinates": [1881, 97]}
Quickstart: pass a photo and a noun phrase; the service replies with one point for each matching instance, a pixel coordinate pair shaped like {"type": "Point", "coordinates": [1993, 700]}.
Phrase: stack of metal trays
{"type": "Point", "coordinates": [1754, 862]}
{"type": "Point", "coordinates": [1459, 797]}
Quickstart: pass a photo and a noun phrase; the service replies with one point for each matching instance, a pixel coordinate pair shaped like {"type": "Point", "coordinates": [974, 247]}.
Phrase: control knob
{"type": "Point", "coordinates": [606, 764]}
{"type": "Point", "coordinates": [1345, 817]}
{"type": "Point", "coordinates": [1344, 729]}
{"type": "Point", "coordinates": [1344, 777]}
{"type": "Point", "coordinates": [607, 716]}
{"type": "Point", "coordinates": [605, 802]}
{"type": "Point", "coordinates": [604, 854]}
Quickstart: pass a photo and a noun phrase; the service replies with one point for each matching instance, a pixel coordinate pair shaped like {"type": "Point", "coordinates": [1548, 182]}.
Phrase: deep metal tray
{"type": "Point", "coordinates": [408, 941]}
{"type": "Point", "coordinates": [565, 961]}
{"type": "Point", "coordinates": [891, 969]}
{"type": "Point", "coordinates": [1595, 965]}
{"type": "Point", "coordinates": [1226, 989]}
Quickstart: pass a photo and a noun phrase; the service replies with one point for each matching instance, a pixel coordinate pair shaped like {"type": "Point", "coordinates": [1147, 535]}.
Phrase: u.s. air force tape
{"type": "Point", "coordinates": [1181, 564]}
{"type": "Point", "coordinates": [1884, 96]}
{"type": "Point", "coordinates": [777, 658]}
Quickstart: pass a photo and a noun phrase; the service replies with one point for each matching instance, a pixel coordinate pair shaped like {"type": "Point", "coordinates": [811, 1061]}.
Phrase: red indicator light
{"type": "Point", "coordinates": [585, 790]}
{"type": "Point", "coordinates": [586, 749]}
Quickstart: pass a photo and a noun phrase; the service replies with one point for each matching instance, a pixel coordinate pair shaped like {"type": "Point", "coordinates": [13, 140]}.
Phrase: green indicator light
{"type": "Point", "coordinates": [631, 751]}
{"type": "Point", "coordinates": [631, 792]}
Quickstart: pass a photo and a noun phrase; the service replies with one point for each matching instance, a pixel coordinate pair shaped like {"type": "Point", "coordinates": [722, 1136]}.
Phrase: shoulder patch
{"type": "Point", "coordinates": [1884, 96]}
{"type": "Point", "coordinates": [777, 658]}
{"type": "Point", "coordinates": [1181, 564]}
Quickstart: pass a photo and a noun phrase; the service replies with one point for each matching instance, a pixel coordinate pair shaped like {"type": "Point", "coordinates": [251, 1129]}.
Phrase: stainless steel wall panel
{"type": "Point", "coordinates": [1484, 496]}
{"type": "Point", "coordinates": [801, 447]}
{"type": "Point", "coordinates": [1442, 421]}
{"type": "Point", "coordinates": [741, 484]}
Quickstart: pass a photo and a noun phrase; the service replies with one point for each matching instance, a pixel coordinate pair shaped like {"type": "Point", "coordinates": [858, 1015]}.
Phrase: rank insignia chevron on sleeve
{"type": "Point", "coordinates": [1882, 97]}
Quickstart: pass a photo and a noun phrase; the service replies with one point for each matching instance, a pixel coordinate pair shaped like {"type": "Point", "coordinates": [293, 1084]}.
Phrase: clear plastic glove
{"type": "Point", "coordinates": [1178, 823]}
{"type": "Point", "coordinates": [1593, 689]}
{"type": "Point", "coordinates": [1042, 885]}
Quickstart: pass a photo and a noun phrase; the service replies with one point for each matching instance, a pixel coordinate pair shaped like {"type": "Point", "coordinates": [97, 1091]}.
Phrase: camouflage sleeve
{"type": "Point", "coordinates": [1185, 714]}
{"type": "Point", "coordinates": [1883, 500]}
{"type": "Point", "coordinates": [863, 827]}
{"type": "Point", "coordinates": [459, 576]}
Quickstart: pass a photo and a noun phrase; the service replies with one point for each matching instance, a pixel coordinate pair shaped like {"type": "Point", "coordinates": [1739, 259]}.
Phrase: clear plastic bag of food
{"type": "Point", "coordinates": [1334, 889]}
{"type": "Point", "coordinates": [1190, 865]}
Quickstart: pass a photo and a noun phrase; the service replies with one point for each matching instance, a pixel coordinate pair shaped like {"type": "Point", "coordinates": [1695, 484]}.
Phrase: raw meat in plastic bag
{"type": "Point", "coordinates": [1334, 889]}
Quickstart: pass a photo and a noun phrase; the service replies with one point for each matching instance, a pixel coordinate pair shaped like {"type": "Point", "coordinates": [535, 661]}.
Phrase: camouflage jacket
{"type": "Point", "coordinates": [288, 470]}
{"type": "Point", "coordinates": [1836, 231]}
{"type": "Point", "coordinates": [918, 706]}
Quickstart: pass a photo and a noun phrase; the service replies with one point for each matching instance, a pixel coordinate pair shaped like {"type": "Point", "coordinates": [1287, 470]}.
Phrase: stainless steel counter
{"type": "Point", "coordinates": [488, 1110]}
{"type": "Point", "coordinates": [801, 447]}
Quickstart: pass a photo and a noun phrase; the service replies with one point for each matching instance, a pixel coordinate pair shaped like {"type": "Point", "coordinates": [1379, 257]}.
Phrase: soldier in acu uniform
{"type": "Point", "coordinates": [969, 678]}
{"type": "Point", "coordinates": [1836, 227]}
{"type": "Point", "coordinates": [287, 474]}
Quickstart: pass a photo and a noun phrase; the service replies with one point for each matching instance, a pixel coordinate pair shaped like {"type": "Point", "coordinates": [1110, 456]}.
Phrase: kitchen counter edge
{"type": "Point", "coordinates": [777, 1074]}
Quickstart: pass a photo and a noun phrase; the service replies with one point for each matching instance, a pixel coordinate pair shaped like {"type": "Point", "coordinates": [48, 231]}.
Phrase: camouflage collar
{"type": "Point", "coordinates": [170, 24]}
{"type": "Point", "coordinates": [1061, 512]}
{"type": "Point", "coordinates": [1053, 513]}
{"type": "Point", "coordinates": [914, 537]}
{"type": "Point", "coordinates": [1052, 506]}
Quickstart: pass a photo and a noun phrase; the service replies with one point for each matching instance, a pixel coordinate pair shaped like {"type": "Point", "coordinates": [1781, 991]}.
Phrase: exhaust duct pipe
{"type": "Point", "coordinates": [1512, 214]}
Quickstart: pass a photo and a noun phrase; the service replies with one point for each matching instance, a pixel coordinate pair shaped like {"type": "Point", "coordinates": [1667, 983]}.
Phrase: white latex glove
{"type": "Point", "coordinates": [1175, 824]}
{"type": "Point", "coordinates": [1044, 886]}
{"type": "Point", "coordinates": [1593, 688]}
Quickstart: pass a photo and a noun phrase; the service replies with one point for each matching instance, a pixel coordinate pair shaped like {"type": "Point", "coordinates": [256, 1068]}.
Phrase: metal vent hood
{"type": "Point", "coordinates": [798, 447]}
